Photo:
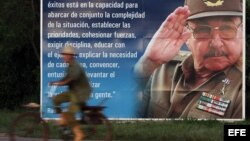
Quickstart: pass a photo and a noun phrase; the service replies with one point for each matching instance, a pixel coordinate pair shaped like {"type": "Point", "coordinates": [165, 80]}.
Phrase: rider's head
{"type": "Point", "coordinates": [68, 53]}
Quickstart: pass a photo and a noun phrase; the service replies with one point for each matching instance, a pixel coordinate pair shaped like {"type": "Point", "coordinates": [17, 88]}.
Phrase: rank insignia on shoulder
{"type": "Point", "coordinates": [213, 104]}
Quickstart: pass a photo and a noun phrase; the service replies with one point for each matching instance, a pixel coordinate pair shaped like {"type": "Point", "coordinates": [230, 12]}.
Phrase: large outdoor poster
{"type": "Point", "coordinates": [109, 38]}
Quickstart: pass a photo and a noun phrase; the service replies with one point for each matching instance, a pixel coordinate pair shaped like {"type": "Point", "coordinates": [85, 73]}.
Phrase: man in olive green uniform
{"type": "Point", "coordinates": [207, 83]}
{"type": "Point", "coordinates": [78, 93]}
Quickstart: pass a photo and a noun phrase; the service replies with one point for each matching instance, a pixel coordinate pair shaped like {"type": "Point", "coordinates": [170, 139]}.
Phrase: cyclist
{"type": "Point", "coordinates": [78, 92]}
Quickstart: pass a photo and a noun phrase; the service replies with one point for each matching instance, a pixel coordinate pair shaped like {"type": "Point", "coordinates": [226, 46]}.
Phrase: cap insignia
{"type": "Point", "coordinates": [213, 4]}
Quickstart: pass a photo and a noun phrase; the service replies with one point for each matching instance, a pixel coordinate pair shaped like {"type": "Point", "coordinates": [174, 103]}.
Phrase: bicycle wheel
{"type": "Point", "coordinates": [29, 125]}
{"type": "Point", "coordinates": [98, 131]}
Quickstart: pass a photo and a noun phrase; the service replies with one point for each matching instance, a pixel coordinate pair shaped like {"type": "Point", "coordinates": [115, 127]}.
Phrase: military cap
{"type": "Point", "coordinates": [207, 8]}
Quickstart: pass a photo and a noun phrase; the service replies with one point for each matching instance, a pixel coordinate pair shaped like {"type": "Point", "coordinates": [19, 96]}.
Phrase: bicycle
{"type": "Point", "coordinates": [30, 124]}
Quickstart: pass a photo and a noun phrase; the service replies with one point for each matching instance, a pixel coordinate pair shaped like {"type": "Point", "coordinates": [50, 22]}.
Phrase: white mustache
{"type": "Point", "coordinates": [215, 53]}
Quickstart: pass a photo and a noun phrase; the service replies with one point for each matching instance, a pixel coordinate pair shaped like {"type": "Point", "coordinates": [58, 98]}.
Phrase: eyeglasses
{"type": "Point", "coordinates": [205, 31]}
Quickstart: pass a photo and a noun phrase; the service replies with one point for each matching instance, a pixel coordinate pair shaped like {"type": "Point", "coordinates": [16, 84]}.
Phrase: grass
{"type": "Point", "coordinates": [187, 130]}
{"type": "Point", "coordinates": [174, 130]}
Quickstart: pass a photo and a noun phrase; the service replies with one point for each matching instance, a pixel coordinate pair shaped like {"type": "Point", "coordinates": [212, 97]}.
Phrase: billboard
{"type": "Point", "coordinates": [110, 37]}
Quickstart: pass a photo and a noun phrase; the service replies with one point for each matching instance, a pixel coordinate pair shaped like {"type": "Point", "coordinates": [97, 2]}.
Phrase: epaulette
{"type": "Point", "coordinates": [181, 55]}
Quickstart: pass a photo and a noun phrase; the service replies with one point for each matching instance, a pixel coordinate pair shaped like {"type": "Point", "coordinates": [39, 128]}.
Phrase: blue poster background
{"type": "Point", "coordinates": [122, 87]}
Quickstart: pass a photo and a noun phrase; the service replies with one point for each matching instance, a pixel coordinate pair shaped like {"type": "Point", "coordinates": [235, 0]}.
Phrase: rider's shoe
{"type": "Point", "coordinates": [78, 133]}
{"type": "Point", "coordinates": [66, 133]}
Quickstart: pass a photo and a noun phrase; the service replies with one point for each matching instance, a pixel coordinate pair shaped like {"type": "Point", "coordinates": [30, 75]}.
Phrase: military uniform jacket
{"type": "Point", "coordinates": [166, 94]}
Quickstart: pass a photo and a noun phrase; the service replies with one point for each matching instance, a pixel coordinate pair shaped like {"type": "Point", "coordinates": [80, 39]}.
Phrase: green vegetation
{"type": "Point", "coordinates": [19, 52]}
{"type": "Point", "coordinates": [174, 130]}
{"type": "Point", "coordinates": [187, 130]}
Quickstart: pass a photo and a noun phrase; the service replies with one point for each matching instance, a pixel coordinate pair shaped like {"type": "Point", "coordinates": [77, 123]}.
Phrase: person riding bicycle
{"type": "Point", "coordinates": [79, 90]}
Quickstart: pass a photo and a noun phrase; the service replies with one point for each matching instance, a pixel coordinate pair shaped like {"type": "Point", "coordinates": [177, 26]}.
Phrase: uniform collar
{"type": "Point", "coordinates": [187, 67]}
